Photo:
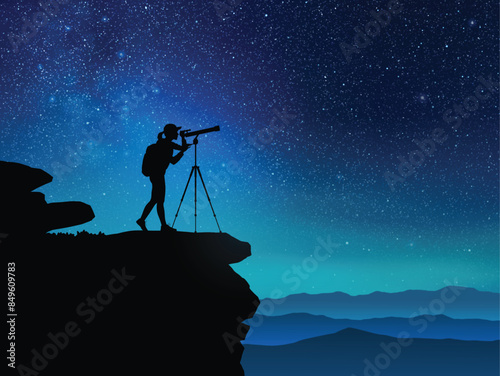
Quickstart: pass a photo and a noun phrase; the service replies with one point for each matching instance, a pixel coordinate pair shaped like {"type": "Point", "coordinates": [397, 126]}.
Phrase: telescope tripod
{"type": "Point", "coordinates": [196, 171]}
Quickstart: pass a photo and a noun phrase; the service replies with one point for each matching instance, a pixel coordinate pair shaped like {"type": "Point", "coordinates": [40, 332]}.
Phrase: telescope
{"type": "Point", "coordinates": [197, 172]}
{"type": "Point", "coordinates": [188, 133]}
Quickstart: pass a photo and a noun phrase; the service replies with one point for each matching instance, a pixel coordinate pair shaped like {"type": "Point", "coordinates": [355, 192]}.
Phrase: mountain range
{"type": "Point", "coordinates": [281, 330]}
{"type": "Point", "coordinates": [453, 301]}
{"type": "Point", "coordinates": [353, 352]}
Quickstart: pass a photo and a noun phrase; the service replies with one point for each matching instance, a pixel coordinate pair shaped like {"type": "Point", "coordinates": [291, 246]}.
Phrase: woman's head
{"type": "Point", "coordinates": [169, 131]}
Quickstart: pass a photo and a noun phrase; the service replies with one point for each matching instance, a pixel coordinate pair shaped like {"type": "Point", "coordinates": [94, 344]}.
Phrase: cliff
{"type": "Point", "coordinates": [133, 303]}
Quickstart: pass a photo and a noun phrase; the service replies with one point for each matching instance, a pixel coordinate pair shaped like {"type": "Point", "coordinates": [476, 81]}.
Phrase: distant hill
{"type": "Point", "coordinates": [453, 301]}
{"type": "Point", "coordinates": [352, 352]}
{"type": "Point", "coordinates": [280, 330]}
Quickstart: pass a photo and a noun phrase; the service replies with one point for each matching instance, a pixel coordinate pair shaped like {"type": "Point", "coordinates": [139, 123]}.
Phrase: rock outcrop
{"type": "Point", "coordinates": [134, 303]}
{"type": "Point", "coordinates": [26, 212]}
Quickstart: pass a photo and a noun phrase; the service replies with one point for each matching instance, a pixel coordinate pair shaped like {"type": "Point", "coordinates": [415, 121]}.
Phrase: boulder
{"type": "Point", "coordinates": [65, 214]}
{"type": "Point", "coordinates": [17, 178]}
{"type": "Point", "coordinates": [27, 212]}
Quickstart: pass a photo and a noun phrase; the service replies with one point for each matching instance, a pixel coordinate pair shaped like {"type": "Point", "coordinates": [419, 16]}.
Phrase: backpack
{"type": "Point", "coordinates": [150, 162]}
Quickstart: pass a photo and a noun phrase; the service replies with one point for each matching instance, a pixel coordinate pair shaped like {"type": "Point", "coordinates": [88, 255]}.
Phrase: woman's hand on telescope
{"type": "Point", "coordinates": [185, 145]}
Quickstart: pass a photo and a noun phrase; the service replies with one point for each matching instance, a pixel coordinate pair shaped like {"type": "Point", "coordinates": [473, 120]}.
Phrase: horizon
{"type": "Point", "coordinates": [388, 292]}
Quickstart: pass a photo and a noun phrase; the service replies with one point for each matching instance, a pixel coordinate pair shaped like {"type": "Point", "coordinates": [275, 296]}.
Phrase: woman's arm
{"type": "Point", "coordinates": [177, 157]}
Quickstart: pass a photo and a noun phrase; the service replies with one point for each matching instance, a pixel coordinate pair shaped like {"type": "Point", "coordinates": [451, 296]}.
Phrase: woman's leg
{"type": "Point", "coordinates": [150, 205]}
{"type": "Point", "coordinates": [158, 195]}
{"type": "Point", "coordinates": [147, 209]}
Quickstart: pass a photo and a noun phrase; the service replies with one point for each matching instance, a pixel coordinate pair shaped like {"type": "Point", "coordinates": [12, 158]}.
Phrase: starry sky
{"type": "Point", "coordinates": [358, 148]}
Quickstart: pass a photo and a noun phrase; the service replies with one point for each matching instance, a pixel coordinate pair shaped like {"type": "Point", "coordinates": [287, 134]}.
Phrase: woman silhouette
{"type": "Point", "coordinates": [163, 156]}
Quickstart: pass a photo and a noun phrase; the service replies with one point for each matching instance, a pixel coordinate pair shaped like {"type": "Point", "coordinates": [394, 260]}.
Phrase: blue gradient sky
{"type": "Point", "coordinates": [307, 138]}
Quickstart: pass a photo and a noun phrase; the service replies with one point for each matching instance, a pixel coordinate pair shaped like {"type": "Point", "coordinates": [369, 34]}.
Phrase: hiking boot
{"type": "Point", "coordinates": [142, 224]}
{"type": "Point", "coordinates": [167, 228]}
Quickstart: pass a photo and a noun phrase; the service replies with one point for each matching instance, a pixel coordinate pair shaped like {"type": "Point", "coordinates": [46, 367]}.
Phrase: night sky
{"type": "Point", "coordinates": [354, 155]}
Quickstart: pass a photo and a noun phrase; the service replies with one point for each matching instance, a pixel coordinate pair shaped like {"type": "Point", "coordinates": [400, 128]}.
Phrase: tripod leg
{"type": "Point", "coordinates": [195, 197]}
{"type": "Point", "coordinates": [209, 201]}
{"type": "Point", "coordinates": [182, 199]}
